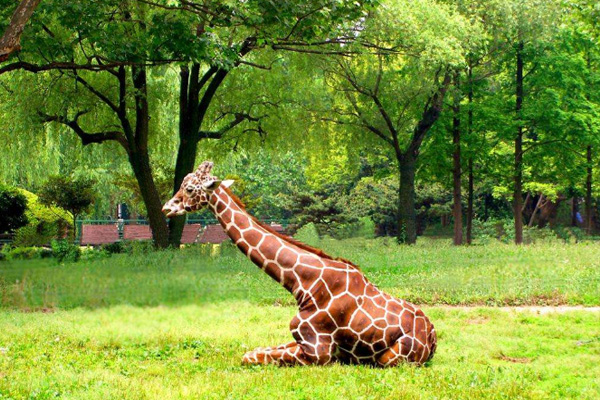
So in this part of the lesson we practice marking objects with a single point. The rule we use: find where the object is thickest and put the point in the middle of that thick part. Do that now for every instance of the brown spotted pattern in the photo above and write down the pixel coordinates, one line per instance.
(342, 316)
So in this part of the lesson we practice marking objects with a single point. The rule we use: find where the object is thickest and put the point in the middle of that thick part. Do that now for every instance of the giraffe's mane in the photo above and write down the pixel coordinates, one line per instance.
(287, 238)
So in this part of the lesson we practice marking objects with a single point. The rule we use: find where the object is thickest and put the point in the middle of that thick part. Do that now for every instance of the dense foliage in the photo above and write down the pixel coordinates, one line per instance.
(12, 209)
(409, 113)
(44, 223)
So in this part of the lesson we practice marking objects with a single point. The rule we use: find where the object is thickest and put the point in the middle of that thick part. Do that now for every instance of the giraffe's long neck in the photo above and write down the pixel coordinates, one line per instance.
(273, 254)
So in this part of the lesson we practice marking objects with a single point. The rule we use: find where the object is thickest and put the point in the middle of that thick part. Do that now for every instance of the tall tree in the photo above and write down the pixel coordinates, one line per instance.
(284, 25)
(395, 89)
(457, 213)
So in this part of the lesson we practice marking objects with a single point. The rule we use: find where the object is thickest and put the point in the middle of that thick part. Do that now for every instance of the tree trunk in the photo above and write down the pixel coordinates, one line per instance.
(470, 162)
(518, 166)
(140, 161)
(407, 216)
(74, 226)
(188, 143)
(456, 170)
(11, 40)
(589, 209)
(192, 113)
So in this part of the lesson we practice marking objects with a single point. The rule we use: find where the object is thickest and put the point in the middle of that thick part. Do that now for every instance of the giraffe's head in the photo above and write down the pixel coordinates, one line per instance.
(195, 191)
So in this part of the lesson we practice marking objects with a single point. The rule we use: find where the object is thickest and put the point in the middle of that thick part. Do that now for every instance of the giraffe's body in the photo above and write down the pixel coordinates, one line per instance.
(342, 316)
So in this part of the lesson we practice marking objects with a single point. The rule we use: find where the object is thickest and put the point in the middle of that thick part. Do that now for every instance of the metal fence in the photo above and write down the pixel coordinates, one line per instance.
(121, 223)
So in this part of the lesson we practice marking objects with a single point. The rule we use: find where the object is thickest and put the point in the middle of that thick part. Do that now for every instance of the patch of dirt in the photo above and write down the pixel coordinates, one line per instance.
(43, 310)
(541, 310)
(477, 321)
(515, 360)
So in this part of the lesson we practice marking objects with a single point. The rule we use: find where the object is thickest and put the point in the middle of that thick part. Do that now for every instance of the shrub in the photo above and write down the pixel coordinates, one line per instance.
(91, 254)
(65, 251)
(26, 253)
(73, 194)
(138, 247)
(114, 248)
(308, 234)
(570, 234)
(492, 229)
(364, 228)
(45, 223)
(13, 205)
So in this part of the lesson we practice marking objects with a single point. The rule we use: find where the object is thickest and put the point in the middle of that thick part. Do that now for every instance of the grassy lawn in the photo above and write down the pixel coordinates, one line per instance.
(174, 324)
(194, 351)
(429, 273)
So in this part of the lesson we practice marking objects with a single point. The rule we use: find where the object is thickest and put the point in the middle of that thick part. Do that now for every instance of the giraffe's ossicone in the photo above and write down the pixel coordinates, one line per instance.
(342, 316)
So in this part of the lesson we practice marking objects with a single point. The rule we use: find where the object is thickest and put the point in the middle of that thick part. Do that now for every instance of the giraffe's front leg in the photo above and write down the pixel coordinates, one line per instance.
(285, 354)
(289, 354)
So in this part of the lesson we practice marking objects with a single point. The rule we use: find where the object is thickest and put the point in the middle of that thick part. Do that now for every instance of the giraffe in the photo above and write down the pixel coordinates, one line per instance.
(342, 316)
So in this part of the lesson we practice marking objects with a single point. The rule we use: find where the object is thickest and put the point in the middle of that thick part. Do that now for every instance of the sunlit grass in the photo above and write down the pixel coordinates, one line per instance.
(174, 324)
(194, 352)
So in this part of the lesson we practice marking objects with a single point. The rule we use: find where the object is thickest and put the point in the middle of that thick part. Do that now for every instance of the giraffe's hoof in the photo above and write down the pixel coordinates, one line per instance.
(249, 358)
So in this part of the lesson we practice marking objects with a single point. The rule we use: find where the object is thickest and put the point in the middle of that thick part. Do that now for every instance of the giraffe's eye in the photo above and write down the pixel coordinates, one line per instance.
(189, 189)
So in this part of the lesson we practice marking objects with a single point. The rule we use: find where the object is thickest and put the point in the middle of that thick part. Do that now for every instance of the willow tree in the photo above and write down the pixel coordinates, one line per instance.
(108, 49)
(238, 31)
(393, 87)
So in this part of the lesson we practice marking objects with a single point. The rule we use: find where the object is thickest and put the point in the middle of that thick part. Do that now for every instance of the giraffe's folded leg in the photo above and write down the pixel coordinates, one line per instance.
(287, 354)
(406, 349)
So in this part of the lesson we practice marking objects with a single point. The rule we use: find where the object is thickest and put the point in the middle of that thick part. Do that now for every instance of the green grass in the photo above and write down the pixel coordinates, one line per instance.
(174, 324)
(194, 352)
(430, 273)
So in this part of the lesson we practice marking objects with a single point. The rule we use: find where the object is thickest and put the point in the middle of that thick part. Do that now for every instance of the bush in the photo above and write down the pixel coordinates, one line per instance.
(13, 205)
(62, 250)
(25, 253)
(308, 234)
(138, 247)
(114, 248)
(570, 234)
(91, 254)
(45, 223)
(363, 228)
(492, 229)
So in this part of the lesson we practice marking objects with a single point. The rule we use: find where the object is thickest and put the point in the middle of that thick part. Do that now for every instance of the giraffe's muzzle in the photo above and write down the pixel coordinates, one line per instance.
(173, 208)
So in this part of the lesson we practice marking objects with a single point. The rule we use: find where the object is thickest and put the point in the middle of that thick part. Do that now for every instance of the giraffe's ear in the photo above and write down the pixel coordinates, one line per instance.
(211, 184)
(227, 183)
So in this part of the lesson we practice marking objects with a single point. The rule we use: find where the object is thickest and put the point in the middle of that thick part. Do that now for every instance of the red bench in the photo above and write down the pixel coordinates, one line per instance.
(94, 235)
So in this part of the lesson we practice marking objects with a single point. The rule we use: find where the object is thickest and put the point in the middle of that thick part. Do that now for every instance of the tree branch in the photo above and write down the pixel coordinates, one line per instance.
(86, 138)
(11, 40)
(239, 118)
(96, 92)
(432, 111)
(21, 65)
